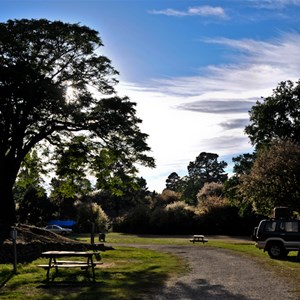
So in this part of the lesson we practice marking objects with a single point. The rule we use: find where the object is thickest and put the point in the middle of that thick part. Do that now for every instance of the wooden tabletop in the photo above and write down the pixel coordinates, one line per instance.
(69, 253)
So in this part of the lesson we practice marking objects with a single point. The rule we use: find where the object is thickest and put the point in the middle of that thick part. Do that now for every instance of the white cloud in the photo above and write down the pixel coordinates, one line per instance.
(203, 11)
(188, 115)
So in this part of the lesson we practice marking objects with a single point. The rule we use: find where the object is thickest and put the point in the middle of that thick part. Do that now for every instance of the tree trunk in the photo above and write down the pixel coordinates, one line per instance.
(8, 175)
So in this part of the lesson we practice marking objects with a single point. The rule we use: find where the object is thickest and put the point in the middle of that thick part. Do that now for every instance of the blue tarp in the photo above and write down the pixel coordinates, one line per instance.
(62, 223)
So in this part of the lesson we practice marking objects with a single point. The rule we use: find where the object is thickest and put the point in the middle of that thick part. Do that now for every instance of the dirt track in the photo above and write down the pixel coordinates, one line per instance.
(221, 274)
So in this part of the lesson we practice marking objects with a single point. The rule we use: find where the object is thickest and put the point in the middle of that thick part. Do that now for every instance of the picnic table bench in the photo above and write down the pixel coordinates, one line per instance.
(56, 264)
(199, 238)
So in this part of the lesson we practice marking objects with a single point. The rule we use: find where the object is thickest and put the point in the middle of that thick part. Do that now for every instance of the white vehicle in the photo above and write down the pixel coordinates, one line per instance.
(58, 229)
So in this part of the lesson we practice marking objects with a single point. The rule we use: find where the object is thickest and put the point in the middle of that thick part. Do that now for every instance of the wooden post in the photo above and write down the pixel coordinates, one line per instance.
(93, 233)
(13, 235)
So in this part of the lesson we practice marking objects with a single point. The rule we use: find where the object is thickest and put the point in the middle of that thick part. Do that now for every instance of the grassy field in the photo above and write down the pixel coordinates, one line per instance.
(126, 272)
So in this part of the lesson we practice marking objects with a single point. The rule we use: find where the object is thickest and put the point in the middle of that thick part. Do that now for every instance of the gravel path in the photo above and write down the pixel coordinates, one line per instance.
(220, 274)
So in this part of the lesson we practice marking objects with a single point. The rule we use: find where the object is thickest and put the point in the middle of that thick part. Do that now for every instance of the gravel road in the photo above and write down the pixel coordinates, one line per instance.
(221, 274)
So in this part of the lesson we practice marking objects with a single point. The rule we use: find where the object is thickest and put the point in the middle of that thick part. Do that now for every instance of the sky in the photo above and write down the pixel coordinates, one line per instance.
(195, 68)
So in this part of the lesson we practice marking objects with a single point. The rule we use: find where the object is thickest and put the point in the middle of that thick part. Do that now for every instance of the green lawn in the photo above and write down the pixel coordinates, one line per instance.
(126, 272)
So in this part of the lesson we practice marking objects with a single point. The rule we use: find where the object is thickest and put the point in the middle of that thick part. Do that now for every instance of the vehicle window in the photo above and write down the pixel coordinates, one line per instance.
(270, 226)
(290, 226)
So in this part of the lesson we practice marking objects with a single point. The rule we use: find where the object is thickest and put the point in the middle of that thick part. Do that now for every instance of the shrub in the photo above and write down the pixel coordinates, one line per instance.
(135, 221)
(89, 213)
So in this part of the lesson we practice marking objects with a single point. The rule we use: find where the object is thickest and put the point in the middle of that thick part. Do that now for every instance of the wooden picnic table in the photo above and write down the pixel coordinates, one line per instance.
(199, 238)
(55, 263)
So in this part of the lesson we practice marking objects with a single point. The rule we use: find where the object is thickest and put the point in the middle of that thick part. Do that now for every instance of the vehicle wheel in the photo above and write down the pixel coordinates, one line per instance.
(276, 251)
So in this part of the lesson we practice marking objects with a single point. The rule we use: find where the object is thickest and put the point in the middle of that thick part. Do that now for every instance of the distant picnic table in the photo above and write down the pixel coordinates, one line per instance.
(199, 238)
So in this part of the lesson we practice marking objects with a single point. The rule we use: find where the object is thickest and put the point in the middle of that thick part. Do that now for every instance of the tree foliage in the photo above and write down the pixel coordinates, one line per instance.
(29, 176)
(204, 169)
(277, 116)
(243, 163)
(35, 207)
(54, 83)
(211, 189)
(274, 179)
(173, 182)
(89, 213)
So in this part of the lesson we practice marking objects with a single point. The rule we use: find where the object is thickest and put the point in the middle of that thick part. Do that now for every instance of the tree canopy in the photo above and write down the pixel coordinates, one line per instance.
(277, 116)
(173, 182)
(274, 179)
(55, 84)
(206, 168)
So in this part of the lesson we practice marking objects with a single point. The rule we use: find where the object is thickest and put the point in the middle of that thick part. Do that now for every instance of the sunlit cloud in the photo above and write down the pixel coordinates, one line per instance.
(203, 11)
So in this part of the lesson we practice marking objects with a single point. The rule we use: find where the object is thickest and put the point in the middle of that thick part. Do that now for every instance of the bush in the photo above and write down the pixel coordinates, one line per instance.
(175, 218)
(135, 221)
(91, 213)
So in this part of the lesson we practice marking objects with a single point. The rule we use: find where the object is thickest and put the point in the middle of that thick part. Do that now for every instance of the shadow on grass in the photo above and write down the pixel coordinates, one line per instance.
(110, 284)
(137, 285)
(5, 278)
(292, 258)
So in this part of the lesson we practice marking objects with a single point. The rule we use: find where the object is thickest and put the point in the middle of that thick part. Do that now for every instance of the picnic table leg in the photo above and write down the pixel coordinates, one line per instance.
(49, 267)
(93, 268)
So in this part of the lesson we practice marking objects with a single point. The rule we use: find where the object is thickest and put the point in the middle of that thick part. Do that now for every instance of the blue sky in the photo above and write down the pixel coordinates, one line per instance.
(193, 67)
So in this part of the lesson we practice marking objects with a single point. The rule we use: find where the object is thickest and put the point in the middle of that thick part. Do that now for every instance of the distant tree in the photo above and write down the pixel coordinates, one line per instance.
(207, 168)
(242, 166)
(29, 176)
(53, 83)
(204, 169)
(167, 197)
(277, 116)
(70, 181)
(63, 197)
(173, 182)
(274, 179)
(71, 168)
(35, 208)
(115, 205)
(89, 213)
(115, 173)
(243, 163)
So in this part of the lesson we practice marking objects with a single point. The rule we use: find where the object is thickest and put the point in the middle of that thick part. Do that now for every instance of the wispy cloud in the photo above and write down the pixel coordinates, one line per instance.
(208, 112)
(256, 65)
(235, 124)
(203, 11)
(274, 4)
(219, 106)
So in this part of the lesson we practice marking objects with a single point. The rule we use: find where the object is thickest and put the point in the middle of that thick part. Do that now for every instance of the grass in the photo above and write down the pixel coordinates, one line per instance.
(127, 272)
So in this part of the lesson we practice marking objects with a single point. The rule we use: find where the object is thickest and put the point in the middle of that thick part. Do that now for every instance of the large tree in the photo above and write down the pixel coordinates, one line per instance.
(277, 116)
(274, 179)
(173, 182)
(55, 83)
(205, 169)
